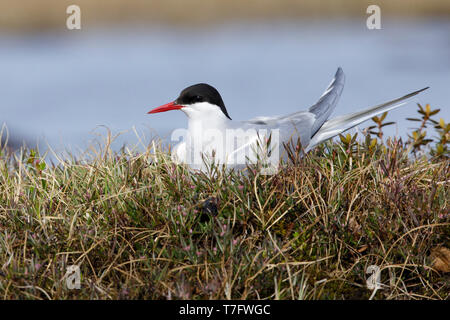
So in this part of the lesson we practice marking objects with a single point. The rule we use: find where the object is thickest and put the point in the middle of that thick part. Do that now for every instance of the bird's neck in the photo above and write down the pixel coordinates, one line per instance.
(198, 125)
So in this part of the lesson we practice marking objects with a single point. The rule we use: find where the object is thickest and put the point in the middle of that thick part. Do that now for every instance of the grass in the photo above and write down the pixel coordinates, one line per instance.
(141, 227)
(30, 15)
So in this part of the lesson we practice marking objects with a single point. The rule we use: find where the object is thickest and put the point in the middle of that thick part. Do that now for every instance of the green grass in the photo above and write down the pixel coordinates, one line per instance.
(141, 227)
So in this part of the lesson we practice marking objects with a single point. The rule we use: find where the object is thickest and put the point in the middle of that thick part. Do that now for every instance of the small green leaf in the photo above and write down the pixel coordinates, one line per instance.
(348, 138)
(413, 119)
(434, 112)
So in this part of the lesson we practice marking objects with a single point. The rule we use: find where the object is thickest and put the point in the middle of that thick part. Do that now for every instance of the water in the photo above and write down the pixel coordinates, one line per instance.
(60, 88)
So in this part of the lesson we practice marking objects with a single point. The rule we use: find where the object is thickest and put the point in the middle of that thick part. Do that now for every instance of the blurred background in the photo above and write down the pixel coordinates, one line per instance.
(61, 87)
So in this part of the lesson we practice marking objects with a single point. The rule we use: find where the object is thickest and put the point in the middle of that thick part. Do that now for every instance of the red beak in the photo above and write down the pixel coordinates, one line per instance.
(166, 107)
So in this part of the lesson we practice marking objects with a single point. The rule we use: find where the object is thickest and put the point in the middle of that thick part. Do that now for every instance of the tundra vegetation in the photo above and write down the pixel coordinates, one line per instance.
(141, 227)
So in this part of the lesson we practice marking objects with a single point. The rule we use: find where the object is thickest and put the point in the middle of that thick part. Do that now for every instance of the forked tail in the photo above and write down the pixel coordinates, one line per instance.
(340, 124)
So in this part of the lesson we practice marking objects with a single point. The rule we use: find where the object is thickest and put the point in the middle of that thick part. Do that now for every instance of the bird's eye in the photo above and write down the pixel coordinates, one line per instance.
(198, 98)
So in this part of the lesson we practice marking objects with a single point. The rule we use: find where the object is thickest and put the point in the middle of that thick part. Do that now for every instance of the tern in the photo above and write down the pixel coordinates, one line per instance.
(213, 135)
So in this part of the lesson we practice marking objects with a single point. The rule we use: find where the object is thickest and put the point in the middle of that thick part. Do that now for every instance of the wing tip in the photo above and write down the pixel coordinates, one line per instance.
(416, 92)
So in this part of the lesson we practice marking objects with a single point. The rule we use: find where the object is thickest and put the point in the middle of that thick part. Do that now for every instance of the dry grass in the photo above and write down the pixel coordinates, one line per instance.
(34, 15)
(141, 227)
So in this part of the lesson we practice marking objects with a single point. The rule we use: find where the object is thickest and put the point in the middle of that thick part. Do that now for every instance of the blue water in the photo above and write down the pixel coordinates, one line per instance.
(59, 88)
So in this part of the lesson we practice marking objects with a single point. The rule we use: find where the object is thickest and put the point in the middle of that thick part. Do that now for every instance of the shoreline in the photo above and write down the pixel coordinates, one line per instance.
(26, 16)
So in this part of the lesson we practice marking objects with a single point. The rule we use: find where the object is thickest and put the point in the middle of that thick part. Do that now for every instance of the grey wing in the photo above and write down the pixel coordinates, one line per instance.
(328, 101)
(320, 111)
(288, 128)
(305, 124)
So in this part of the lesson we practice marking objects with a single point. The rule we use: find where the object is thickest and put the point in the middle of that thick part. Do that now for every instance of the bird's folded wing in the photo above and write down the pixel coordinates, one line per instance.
(316, 116)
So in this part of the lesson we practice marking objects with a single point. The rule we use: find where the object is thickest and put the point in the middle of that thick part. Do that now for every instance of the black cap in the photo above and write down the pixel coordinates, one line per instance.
(202, 92)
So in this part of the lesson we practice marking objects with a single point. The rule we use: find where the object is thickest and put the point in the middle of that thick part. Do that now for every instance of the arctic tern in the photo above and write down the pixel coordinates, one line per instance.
(212, 134)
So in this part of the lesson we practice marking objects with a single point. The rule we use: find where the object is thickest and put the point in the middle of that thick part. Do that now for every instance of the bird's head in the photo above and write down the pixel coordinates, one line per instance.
(197, 101)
